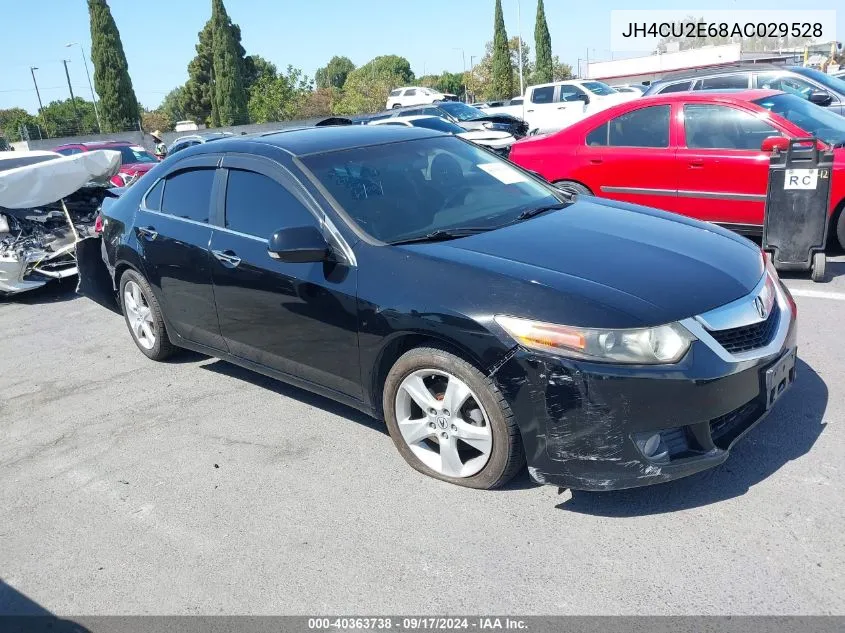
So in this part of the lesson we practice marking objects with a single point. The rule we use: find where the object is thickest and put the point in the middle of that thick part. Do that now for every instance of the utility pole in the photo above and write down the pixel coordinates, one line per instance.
(32, 70)
(90, 85)
(587, 68)
(464, 58)
(519, 33)
(72, 99)
(472, 75)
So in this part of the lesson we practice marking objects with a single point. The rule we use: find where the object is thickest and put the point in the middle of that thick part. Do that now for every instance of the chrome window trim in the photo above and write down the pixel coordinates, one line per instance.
(736, 314)
(176, 217)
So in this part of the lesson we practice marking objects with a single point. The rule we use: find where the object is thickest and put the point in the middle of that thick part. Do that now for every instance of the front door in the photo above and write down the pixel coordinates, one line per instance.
(722, 172)
(173, 231)
(631, 158)
(300, 319)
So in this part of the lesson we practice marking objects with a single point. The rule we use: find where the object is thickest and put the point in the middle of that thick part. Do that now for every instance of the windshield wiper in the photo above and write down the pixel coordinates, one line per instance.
(530, 213)
(442, 235)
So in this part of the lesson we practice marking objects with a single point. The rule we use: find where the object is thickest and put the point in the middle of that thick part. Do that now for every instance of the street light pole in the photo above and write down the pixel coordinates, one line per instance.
(90, 85)
(32, 70)
(519, 32)
(464, 58)
(72, 98)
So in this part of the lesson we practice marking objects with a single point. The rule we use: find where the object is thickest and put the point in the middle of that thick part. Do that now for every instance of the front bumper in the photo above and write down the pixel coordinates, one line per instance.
(584, 425)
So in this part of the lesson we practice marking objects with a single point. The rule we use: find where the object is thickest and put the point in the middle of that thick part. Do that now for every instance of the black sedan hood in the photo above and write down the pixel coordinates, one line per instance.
(653, 266)
(498, 118)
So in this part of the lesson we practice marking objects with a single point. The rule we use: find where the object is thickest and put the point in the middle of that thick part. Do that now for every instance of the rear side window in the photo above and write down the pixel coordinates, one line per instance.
(725, 82)
(410, 93)
(679, 87)
(259, 206)
(187, 194)
(395, 93)
(153, 198)
(543, 95)
(598, 136)
(646, 127)
(516, 101)
(69, 151)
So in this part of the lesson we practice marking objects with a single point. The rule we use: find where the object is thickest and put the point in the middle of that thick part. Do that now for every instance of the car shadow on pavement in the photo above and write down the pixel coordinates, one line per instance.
(53, 292)
(785, 435)
(20, 614)
(289, 391)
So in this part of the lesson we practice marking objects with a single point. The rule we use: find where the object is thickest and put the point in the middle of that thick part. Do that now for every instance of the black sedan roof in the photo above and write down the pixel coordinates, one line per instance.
(317, 140)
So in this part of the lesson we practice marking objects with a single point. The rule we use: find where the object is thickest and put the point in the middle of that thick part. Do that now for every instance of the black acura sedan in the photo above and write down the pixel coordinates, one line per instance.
(487, 317)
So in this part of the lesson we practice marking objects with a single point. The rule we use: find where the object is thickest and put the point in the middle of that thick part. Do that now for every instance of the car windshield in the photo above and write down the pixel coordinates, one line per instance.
(598, 88)
(405, 190)
(828, 81)
(436, 123)
(818, 121)
(461, 111)
(133, 154)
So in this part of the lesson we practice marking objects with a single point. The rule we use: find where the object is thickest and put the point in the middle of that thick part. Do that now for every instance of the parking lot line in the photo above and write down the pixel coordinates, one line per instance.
(817, 294)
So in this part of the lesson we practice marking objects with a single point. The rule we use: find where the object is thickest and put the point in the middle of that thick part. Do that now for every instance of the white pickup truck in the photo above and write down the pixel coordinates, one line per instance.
(552, 107)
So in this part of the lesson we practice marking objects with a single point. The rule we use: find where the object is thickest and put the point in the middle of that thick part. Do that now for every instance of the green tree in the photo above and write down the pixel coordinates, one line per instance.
(561, 71)
(256, 67)
(544, 68)
(319, 103)
(196, 101)
(15, 120)
(334, 74)
(70, 118)
(173, 105)
(481, 78)
(502, 75)
(152, 120)
(367, 87)
(280, 97)
(118, 104)
(229, 99)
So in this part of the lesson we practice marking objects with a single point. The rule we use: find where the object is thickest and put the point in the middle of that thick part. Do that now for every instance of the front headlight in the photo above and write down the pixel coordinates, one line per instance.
(663, 344)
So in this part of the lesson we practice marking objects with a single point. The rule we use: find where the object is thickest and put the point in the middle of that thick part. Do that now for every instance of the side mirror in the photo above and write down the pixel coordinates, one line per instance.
(820, 97)
(584, 98)
(772, 143)
(298, 245)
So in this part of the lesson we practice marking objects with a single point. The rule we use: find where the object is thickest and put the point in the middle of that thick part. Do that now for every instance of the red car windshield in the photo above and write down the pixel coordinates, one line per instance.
(818, 121)
(133, 154)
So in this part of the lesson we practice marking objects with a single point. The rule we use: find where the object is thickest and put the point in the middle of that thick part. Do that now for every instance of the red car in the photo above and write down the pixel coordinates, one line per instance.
(134, 158)
(701, 154)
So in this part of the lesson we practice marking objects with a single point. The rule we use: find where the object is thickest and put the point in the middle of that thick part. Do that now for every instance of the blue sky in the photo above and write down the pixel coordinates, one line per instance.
(159, 35)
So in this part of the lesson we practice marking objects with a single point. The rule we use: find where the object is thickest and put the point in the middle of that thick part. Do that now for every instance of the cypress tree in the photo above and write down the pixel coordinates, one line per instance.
(502, 84)
(199, 88)
(544, 68)
(229, 103)
(118, 104)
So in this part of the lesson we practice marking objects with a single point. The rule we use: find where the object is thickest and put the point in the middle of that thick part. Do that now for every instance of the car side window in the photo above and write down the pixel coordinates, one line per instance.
(516, 102)
(724, 82)
(570, 93)
(259, 206)
(722, 127)
(786, 83)
(646, 127)
(70, 151)
(395, 93)
(598, 136)
(543, 95)
(187, 194)
(682, 86)
(153, 198)
(411, 92)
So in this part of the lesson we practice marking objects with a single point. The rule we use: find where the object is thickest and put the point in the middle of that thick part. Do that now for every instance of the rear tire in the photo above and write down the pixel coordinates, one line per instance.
(395, 106)
(481, 433)
(143, 317)
(819, 266)
(570, 186)
(840, 229)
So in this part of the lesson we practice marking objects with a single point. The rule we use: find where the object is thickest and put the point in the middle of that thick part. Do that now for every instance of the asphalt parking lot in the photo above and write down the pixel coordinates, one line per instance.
(194, 486)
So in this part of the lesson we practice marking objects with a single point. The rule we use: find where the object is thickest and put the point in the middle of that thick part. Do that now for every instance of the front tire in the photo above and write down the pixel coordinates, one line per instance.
(451, 422)
(818, 267)
(840, 229)
(143, 317)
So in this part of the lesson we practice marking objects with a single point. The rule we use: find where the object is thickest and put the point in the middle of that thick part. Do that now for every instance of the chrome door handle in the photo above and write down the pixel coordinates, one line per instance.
(148, 232)
(227, 258)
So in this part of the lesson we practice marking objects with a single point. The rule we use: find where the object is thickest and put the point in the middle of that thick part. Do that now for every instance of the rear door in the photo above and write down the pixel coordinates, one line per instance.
(173, 229)
(541, 108)
(632, 158)
(300, 319)
(722, 173)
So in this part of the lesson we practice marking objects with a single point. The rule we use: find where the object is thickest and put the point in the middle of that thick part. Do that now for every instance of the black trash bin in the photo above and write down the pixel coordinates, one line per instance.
(797, 203)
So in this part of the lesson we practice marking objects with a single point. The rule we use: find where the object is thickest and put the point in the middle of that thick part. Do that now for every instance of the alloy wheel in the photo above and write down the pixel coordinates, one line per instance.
(139, 315)
(443, 423)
